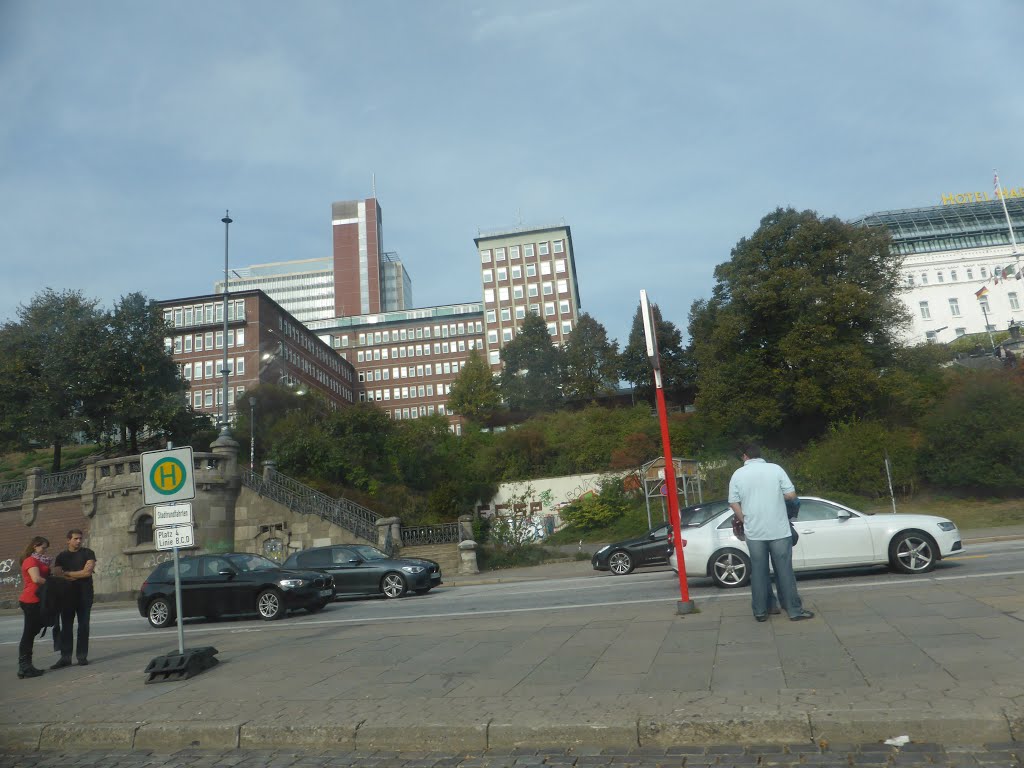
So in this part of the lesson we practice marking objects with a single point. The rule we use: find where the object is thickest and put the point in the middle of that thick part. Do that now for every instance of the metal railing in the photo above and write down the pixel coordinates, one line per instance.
(305, 500)
(445, 533)
(12, 490)
(62, 482)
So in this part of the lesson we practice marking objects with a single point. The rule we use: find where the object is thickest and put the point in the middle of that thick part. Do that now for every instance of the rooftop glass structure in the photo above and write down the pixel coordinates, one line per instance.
(950, 227)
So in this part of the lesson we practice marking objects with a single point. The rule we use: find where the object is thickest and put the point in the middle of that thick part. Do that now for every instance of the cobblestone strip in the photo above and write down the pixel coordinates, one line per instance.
(914, 755)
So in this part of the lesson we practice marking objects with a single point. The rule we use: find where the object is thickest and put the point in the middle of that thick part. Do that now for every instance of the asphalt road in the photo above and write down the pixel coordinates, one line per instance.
(124, 624)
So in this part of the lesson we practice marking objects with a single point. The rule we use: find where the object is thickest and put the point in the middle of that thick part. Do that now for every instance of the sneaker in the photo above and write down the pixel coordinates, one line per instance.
(63, 661)
(802, 615)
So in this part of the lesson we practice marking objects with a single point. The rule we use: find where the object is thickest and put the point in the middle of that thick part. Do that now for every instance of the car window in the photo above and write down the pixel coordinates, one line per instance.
(699, 514)
(343, 555)
(212, 566)
(661, 532)
(366, 552)
(185, 568)
(251, 563)
(817, 510)
(314, 558)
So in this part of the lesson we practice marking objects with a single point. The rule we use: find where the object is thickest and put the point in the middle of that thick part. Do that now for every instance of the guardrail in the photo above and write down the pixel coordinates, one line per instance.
(445, 533)
(62, 482)
(12, 490)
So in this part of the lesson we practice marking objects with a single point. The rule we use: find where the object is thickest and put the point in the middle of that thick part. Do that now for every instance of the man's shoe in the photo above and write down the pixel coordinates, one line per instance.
(761, 618)
(83, 662)
(802, 615)
(63, 661)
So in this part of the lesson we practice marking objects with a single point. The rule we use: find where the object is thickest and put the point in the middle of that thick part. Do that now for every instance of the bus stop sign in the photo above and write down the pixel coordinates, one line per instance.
(167, 476)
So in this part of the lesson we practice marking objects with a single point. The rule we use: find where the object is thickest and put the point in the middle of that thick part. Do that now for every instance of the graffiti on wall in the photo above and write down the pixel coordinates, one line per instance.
(122, 565)
(9, 575)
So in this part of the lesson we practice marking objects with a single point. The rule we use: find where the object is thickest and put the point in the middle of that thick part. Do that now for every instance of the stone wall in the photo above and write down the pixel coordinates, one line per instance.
(446, 555)
(54, 516)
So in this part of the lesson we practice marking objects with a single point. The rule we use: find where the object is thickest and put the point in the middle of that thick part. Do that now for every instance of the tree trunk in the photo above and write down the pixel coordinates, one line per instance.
(56, 456)
(134, 433)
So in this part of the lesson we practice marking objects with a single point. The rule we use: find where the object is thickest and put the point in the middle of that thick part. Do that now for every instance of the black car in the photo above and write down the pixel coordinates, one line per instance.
(234, 583)
(359, 569)
(652, 548)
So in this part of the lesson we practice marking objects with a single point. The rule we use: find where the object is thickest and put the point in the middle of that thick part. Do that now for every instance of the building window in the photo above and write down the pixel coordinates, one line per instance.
(984, 273)
(566, 327)
(491, 318)
(503, 293)
(954, 307)
(513, 252)
(552, 329)
(488, 276)
(952, 275)
(502, 274)
(492, 338)
(545, 268)
(970, 273)
(924, 278)
(542, 249)
(549, 289)
(492, 357)
(517, 272)
(506, 334)
(563, 286)
(925, 312)
(1014, 302)
(960, 332)
(532, 290)
(931, 336)
(485, 257)
(941, 277)
(910, 280)
(549, 308)
(143, 530)
(506, 314)
(528, 250)
(520, 313)
(499, 254)
(488, 296)
(559, 246)
(531, 270)
(563, 307)
(983, 302)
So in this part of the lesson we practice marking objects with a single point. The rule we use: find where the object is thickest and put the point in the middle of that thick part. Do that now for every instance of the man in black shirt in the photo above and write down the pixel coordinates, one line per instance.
(76, 564)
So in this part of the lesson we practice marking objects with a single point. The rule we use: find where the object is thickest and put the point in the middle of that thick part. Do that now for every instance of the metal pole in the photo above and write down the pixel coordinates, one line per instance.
(177, 605)
(252, 434)
(224, 428)
(991, 340)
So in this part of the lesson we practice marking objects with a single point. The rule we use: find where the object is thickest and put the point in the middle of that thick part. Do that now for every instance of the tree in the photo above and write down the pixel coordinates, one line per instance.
(50, 369)
(677, 367)
(591, 361)
(531, 374)
(802, 321)
(145, 388)
(474, 392)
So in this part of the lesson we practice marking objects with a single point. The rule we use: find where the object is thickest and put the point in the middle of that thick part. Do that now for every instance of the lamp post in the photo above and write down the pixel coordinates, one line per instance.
(224, 427)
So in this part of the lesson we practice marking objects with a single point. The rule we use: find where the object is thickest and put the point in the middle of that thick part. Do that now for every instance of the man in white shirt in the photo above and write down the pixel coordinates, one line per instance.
(757, 494)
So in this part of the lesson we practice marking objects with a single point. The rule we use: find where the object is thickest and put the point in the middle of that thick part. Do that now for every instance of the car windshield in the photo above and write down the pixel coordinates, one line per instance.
(696, 516)
(252, 563)
(366, 552)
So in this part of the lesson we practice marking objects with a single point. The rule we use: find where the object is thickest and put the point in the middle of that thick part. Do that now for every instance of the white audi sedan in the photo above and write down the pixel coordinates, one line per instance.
(831, 536)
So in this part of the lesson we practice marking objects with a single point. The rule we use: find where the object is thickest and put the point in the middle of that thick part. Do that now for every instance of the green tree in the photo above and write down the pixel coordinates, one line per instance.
(145, 389)
(474, 394)
(802, 322)
(591, 361)
(50, 370)
(531, 373)
(677, 366)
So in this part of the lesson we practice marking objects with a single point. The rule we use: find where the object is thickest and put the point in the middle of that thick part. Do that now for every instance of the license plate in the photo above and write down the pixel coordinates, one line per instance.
(326, 593)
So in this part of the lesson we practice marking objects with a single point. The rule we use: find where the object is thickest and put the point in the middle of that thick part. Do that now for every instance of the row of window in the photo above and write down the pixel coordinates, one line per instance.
(520, 312)
(412, 371)
(507, 333)
(419, 350)
(419, 332)
(403, 393)
(301, 336)
(954, 306)
(502, 273)
(205, 341)
(208, 398)
(532, 291)
(529, 250)
(211, 368)
(201, 314)
(954, 275)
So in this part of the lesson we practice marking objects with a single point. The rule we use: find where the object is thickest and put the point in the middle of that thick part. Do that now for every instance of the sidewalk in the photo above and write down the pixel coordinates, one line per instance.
(939, 659)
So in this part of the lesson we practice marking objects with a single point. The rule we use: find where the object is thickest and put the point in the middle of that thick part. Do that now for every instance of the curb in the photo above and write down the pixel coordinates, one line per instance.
(749, 729)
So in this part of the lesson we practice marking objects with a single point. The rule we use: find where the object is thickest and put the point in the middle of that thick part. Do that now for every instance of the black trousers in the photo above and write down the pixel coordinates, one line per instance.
(79, 608)
(33, 623)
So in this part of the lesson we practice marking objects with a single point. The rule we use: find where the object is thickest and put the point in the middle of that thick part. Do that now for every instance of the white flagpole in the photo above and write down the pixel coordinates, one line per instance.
(1006, 213)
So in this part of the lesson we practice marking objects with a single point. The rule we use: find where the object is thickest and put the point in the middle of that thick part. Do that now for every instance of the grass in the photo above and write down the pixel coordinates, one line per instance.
(14, 465)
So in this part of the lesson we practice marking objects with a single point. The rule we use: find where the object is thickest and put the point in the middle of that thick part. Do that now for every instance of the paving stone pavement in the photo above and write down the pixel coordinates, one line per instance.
(939, 659)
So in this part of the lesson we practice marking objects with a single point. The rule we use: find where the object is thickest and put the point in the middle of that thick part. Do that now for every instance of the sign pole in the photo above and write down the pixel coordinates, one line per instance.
(685, 604)
(177, 605)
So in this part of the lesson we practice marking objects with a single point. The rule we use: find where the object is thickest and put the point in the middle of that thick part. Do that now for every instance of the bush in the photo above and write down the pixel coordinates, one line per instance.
(493, 558)
(851, 459)
(598, 510)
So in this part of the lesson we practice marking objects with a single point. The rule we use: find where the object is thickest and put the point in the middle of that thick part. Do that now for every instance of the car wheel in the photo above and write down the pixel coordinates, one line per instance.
(730, 569)
(392, 585)
(913, 552)
(270, 605)
(620, 563)
(160, 613)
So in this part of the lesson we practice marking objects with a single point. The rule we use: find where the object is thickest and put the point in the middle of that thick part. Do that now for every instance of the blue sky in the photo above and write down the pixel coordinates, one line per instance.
(660, 131)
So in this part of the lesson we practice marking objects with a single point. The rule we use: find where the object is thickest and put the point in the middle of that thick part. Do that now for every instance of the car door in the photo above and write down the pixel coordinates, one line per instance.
(655, 548)
(830, 535)
(218, 593)
(191, 590)
(359, 576)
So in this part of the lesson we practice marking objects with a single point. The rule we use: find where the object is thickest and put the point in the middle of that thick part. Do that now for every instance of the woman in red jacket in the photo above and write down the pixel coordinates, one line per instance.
(35, 567)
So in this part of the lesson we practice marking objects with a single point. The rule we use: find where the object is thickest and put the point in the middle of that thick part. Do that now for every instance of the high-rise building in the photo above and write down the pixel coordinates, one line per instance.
(960, 270)
(527, 270)
(304, 288)
(397, 283)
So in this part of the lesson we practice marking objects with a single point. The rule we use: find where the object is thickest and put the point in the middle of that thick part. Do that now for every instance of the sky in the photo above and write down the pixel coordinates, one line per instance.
(660, 131)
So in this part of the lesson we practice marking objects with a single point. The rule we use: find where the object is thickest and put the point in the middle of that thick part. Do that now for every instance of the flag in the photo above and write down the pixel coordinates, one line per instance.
(980, 292)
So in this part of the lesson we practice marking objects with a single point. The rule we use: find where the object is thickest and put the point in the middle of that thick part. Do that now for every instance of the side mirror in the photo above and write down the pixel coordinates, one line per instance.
(844, 514)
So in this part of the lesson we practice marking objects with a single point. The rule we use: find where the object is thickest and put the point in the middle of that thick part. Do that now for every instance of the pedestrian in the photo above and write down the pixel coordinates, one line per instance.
(35, 567)
(76, 564)
(757, 494)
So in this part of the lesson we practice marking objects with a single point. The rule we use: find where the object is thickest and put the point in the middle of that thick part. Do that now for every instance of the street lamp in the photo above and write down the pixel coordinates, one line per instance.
(252, 433)
(224, 427)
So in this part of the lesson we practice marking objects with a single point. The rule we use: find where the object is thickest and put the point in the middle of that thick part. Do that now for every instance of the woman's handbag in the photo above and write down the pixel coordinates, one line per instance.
(793, 534)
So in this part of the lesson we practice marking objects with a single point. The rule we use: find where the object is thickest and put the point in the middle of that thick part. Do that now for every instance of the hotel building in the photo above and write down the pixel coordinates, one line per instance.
(961, 272)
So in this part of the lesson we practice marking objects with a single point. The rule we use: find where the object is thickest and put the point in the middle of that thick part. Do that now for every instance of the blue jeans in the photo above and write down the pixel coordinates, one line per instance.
(781, 553)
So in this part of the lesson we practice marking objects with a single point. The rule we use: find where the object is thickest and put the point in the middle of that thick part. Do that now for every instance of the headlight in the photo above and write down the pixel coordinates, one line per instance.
(291, 583)
(412, 568)
(947, 526)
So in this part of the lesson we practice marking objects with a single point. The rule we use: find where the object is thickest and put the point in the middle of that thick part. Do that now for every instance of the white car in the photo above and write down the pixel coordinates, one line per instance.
(831, 536)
